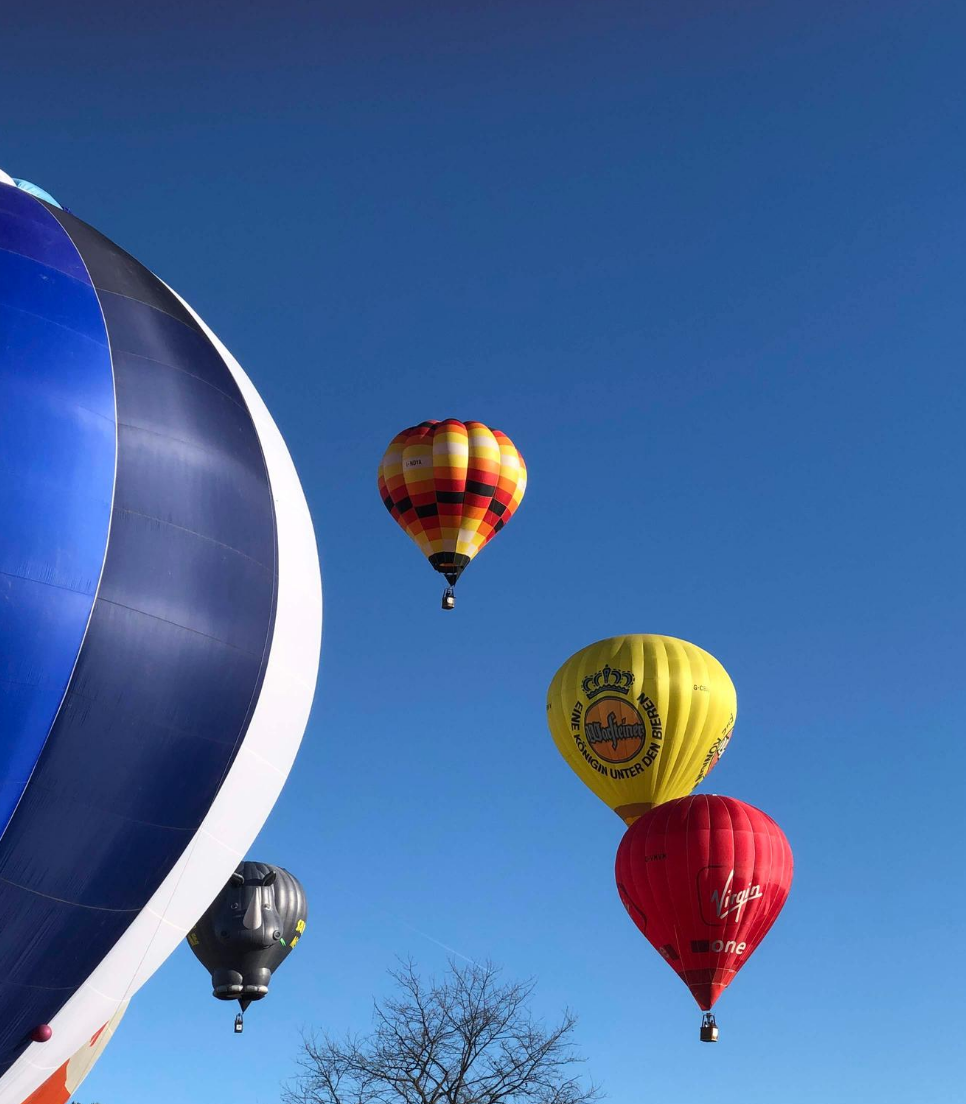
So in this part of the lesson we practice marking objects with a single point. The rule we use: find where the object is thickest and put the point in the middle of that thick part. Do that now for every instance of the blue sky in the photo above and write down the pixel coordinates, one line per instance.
(703, 262)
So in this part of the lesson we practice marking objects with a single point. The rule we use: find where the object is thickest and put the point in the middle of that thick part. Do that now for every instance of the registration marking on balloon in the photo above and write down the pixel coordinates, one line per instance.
(610, 730)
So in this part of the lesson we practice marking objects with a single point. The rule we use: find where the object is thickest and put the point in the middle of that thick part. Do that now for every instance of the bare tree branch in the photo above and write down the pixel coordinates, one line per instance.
(469, 1039)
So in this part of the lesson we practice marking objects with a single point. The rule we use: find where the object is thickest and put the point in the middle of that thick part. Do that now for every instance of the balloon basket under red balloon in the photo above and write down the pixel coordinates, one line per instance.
(709, 1029)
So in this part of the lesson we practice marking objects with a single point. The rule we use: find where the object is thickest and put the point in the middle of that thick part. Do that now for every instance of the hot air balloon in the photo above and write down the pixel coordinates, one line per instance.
(160, 634)
(704, 878)
(59, 1087)
(641, 719)
(452, 487)
(248, 931)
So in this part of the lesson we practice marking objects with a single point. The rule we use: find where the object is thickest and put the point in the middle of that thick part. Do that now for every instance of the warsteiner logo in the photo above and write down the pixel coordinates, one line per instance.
(614, 729)
(718, 897)
(611, 729)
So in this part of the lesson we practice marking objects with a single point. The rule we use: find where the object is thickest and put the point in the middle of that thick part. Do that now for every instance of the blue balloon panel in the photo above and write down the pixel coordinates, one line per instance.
(28, 229)
(172, 661)
(57, 454)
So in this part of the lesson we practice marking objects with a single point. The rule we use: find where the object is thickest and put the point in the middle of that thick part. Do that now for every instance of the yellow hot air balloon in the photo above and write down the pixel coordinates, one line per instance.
(641, 719)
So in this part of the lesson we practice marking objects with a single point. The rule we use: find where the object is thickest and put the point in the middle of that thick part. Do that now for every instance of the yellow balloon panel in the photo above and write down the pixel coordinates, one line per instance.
(641, 719)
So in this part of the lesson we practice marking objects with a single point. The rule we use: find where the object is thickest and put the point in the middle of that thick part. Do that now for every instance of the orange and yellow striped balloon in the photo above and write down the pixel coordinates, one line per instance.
(452, 486)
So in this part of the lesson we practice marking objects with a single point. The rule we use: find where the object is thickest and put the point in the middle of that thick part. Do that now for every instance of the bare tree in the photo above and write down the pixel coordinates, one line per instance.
(469, 1039)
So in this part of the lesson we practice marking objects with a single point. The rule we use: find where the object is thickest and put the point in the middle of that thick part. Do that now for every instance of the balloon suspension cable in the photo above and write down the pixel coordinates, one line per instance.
(449, 598)
(709, 1029)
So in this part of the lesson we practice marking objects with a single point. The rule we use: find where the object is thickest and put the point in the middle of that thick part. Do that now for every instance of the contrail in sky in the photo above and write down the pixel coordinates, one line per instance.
(438, 944)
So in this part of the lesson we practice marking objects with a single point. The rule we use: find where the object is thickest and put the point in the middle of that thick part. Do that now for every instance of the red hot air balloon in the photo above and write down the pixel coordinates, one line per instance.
(704, 878)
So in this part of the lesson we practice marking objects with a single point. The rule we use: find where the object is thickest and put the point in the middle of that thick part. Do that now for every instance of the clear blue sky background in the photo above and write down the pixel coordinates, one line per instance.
(704, 262)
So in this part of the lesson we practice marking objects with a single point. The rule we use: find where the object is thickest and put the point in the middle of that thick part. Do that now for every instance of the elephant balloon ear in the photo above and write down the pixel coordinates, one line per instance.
(269, 878)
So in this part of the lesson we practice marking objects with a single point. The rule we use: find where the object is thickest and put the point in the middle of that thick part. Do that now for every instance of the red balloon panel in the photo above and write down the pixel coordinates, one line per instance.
(704, 878)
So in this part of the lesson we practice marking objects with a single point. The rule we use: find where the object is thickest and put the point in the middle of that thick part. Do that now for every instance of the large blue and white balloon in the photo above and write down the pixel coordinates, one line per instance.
(160, 619)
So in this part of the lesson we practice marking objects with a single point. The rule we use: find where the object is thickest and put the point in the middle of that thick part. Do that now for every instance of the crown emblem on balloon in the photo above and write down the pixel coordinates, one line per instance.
(608, 678)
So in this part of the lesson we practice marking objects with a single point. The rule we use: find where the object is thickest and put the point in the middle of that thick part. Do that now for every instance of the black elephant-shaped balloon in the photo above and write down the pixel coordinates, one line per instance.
(248, 931)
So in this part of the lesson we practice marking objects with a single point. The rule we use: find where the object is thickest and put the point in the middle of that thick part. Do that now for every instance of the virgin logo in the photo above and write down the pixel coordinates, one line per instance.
(723, 898)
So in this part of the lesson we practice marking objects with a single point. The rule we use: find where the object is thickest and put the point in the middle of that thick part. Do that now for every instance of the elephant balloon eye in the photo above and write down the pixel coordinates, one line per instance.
(276, 934)
(235, 906)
